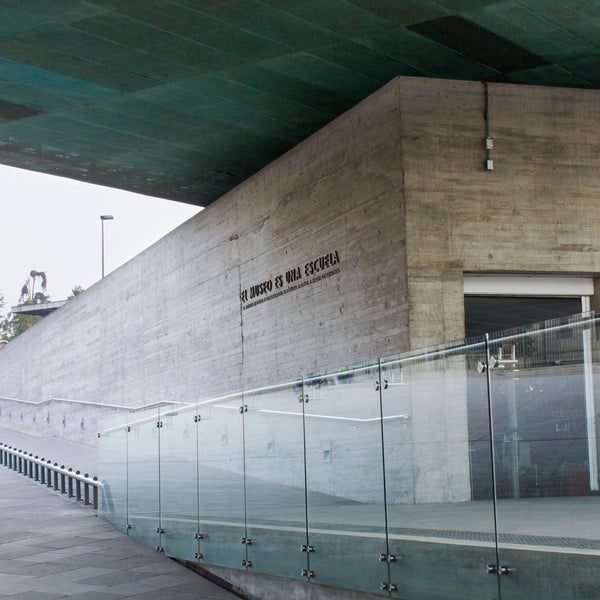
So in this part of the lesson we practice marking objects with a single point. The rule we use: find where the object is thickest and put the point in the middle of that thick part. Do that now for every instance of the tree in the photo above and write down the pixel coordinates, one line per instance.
(5, 324)
(12, 324)
(76, 291)
(20, 323)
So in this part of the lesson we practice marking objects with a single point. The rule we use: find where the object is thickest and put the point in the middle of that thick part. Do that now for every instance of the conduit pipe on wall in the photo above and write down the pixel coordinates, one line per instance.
(489, 140)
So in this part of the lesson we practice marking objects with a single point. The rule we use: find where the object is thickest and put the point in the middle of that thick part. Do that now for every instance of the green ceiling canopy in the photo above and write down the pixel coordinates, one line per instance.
(184, 99)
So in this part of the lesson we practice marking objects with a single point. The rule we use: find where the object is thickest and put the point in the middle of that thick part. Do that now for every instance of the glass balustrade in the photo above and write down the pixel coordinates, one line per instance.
(469, 470)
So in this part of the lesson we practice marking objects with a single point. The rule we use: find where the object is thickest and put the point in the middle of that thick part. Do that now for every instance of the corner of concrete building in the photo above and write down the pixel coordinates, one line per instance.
(502, 209)
(336, 197)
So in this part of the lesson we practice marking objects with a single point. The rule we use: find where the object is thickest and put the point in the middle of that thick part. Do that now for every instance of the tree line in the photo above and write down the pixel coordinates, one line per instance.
(13, 324)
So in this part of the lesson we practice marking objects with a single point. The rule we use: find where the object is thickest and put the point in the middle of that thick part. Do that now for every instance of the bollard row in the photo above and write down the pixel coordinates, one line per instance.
(66, 481)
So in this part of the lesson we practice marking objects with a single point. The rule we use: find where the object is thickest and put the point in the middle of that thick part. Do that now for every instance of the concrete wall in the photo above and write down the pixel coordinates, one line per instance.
(537, 211)
(351, 246)
(170, 325)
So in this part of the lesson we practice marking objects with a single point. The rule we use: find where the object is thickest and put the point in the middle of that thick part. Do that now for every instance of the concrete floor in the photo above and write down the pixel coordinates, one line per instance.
(53, 547)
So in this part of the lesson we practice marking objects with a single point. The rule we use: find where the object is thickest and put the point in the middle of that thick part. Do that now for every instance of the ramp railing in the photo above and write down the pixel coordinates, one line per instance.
(66, 481)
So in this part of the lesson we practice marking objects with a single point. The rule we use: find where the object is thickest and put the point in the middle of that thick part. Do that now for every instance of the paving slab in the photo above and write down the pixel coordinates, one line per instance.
(53, 547)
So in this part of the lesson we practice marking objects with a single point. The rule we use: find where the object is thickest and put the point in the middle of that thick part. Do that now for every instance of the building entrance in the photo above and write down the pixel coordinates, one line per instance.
(485, 314)
(497, 302)
(544, 428)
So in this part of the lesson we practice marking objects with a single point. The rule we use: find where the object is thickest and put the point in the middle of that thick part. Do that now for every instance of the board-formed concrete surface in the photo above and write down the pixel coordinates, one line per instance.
(53, 548)
(351, 246)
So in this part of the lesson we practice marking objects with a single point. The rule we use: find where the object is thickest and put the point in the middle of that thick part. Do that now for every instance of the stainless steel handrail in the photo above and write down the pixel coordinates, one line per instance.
(121, 407)
(73, 483)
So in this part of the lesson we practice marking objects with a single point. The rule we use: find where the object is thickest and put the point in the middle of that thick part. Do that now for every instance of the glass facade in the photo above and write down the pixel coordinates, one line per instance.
(469, 470)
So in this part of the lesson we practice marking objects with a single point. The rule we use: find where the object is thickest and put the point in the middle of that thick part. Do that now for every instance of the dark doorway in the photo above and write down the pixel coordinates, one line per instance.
(484, 314)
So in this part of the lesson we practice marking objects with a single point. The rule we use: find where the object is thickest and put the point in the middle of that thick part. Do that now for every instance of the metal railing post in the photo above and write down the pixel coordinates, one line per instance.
(95, 494)
(70, 483)
(55, 476)
(86, 491)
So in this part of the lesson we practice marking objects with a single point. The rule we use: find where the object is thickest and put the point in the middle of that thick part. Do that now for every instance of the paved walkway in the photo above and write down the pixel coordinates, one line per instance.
(71, 454)
(53, 547)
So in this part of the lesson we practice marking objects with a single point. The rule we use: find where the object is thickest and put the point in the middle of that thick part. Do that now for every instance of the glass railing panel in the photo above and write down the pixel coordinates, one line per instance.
(179, 482)
(112, 471)
(346, 515)
(221, 481)
(438, 474)
(143, 478)
(544, 388)
(275, 483)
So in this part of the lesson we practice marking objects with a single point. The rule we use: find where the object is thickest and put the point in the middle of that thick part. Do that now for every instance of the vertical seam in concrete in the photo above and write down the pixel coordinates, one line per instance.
(405, 258)
(239, 269)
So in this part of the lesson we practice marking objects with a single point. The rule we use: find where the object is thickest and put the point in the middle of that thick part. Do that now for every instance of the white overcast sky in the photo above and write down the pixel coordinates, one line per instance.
(53, 225)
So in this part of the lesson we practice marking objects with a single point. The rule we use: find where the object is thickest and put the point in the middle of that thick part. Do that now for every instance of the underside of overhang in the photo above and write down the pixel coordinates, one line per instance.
(184, 99)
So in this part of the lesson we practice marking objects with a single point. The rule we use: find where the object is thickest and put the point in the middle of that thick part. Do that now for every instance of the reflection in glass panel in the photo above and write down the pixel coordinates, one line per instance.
(112, 471)
(275, 490)
(423, 419)
(221, 481)
(346, 514)
(545, 442)
(435, 468)
(179, 482)
(144, 482)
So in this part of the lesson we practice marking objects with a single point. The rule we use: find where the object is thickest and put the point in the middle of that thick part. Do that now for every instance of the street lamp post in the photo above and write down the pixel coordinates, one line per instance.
(102, 219)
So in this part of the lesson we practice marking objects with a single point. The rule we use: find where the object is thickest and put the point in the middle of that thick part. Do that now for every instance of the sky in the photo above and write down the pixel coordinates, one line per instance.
(53, 225)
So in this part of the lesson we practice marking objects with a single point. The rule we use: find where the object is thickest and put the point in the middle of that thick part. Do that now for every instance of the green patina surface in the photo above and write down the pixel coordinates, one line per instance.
(184, 99)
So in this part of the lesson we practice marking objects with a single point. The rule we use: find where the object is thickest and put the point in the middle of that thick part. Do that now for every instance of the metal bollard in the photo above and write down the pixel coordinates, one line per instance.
(55, 475)
(86, 491)
(36, 468)
(78, 487)
(70, 484)
(95, 492)
(63, 482)
(49, 474)
(43, 473)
